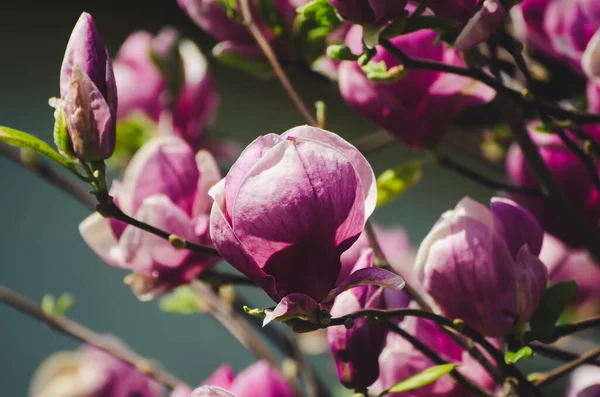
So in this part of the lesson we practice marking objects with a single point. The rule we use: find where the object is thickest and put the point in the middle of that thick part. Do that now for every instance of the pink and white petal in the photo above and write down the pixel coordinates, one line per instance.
(359, 161)
(181, 391)
(291, 306)
(517, 226)
(210, 391)
(249, 157)
(210, 175)
(98, 235)
(532, 278)
(230, 247)
(165, 165)
(141, 250)
(369, 276)
(261, 380)
(222, 377)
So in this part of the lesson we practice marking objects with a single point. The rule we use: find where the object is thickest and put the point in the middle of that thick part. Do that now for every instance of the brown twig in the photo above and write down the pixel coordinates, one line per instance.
(557, 353)
(564, 369)
(272, 58)
(49, 174)
(83, 334)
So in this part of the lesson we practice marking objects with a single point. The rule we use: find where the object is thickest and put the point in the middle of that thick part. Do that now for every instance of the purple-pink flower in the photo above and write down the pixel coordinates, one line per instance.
(90, 372)
(144, 88)
(88, 94)
(401, 360)
(559, 28)
(569, 174)
(584, 382)
(371, 12)
(289, 207)
(166, 186)
(420, 108)
(481, 265)
(258, 380)
(565, 263)
(234, 38)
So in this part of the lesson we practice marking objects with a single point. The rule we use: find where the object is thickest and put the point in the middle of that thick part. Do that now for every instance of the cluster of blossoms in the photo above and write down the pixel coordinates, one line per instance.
(292, 213)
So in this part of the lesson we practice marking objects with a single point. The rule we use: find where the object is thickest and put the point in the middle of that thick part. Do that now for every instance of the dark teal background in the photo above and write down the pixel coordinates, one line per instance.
(40, 248)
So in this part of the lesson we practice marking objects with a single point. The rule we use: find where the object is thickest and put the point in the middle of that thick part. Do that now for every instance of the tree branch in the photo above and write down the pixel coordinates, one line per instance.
(564, 369)
(81, 333)
(557, 354)
(272, 58)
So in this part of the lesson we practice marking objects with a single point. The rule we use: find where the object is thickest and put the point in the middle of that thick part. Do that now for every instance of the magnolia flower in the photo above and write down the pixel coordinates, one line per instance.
(570, 176)
(420, 108)
(90, 372)
(481, 265)
(166, 186)
(88, 95)
(144, 88)
(287, 210)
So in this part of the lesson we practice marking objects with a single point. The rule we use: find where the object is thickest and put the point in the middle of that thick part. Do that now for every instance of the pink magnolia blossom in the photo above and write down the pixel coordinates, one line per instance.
(569, 174)
(420, 108)
(144, 89)
(166, 186)
(481, 265)
(585, 382)
(88, 94)
(90, 372)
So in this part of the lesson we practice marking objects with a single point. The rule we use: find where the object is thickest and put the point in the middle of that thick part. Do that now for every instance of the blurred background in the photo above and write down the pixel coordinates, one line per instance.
(41, 249)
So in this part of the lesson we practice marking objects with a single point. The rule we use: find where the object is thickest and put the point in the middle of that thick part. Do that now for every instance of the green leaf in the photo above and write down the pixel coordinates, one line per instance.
(24, 140)
(555, 300)
(542, 128)
(132, 134)
(181, 301)
(258, 68)
(371, 35)
(341, 52)
(379, 73)
(421, 379)
(513, 357)
(320, 11)
(62, 140)
(394, 182)
(57, 307)
(315, 22)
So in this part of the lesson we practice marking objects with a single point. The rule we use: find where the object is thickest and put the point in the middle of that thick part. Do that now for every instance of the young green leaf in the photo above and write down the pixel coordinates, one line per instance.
(57, 307)
(555, 300)
(513, 357)
(421, 379)
(24, 140)
(181, 301)
(259, 68)
(394, 182)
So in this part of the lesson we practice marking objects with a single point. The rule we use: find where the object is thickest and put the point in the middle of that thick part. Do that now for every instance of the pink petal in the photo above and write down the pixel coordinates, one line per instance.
(292, 305)
(230, 247)
(261, 380)
(98, 235)
(209, 391)
(532, 280)
(360, 163)
(222, 377)
(369, 276)
(166, 166)
(288, 215)
(210, 175)
(517, 226)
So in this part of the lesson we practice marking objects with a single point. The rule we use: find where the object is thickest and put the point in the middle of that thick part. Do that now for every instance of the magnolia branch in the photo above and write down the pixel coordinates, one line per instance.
(272, 58)
(564, 369)
(81, 333)
(557, 353)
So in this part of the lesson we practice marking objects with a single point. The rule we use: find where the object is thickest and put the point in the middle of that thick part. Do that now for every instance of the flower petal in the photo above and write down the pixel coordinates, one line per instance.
(369, 276)
(292, 305)
(209, 391)
(98, 235)
(210, 175)
(517, 226)
(261, 380)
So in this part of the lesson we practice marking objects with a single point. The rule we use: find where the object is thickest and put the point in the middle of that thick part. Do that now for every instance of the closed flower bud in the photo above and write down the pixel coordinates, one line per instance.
(420, 108)
(585, 382)
(372, 12)
(289, 207)
(356, 349)
(90, 372)
(481, 265)
(88, 93)
(166, 186)
(165, 75)
(489, 18)
(570, 176)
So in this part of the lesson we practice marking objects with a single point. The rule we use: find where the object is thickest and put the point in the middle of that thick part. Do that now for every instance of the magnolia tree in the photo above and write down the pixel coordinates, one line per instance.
(491, 284)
